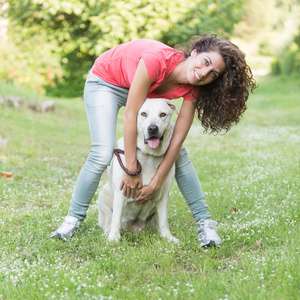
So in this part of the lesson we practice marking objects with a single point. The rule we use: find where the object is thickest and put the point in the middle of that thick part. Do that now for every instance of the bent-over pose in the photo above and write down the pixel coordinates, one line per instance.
(213, 79)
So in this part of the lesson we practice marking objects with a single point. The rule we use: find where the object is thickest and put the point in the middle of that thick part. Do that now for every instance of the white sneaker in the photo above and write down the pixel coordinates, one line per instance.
(207, 233)
(67, 229)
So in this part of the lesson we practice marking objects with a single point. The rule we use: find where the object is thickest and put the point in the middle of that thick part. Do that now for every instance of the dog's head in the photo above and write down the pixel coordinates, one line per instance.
(154, 125)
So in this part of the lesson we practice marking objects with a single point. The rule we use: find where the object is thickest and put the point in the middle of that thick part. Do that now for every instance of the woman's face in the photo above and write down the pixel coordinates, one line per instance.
(204, 67)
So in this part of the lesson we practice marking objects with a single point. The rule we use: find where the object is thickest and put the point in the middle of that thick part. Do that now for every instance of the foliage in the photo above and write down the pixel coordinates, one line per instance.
(255, 168)
(269, 23)
(289, 62)
(79, 31)
(31, 62)
(207, 16)
(274, 25)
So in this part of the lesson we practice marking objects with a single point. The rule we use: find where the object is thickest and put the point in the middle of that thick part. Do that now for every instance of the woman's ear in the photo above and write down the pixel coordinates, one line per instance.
(194, 53)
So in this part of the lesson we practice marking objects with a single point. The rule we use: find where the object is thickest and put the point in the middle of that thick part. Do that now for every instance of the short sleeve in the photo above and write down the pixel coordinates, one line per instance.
(155, 65)
(193, 94)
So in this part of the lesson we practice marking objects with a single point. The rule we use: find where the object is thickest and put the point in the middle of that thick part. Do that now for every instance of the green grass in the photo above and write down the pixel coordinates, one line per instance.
(255, 168)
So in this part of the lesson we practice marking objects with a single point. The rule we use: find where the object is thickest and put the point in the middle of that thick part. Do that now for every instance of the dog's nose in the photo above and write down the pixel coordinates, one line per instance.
(152, 129)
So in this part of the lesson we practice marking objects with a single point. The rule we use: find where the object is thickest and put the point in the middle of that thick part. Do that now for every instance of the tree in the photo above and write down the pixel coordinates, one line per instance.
(72, 33)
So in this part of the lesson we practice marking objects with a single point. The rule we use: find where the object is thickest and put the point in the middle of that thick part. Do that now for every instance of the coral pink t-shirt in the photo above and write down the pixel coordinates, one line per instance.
(118, 65)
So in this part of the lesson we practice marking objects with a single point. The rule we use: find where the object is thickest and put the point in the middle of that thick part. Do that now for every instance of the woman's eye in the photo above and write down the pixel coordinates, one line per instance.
(162, 115)
(214, 75)
(206, 62)
(144, 114)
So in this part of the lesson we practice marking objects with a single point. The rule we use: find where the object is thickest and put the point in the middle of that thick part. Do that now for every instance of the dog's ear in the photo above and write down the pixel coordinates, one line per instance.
(173, 106)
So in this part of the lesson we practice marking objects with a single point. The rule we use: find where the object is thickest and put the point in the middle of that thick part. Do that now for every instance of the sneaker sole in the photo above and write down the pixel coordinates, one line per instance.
(57, 235)
(211, 244)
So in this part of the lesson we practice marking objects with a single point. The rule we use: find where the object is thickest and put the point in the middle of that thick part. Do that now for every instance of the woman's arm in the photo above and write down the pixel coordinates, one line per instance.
(136, 97)
(182, 126)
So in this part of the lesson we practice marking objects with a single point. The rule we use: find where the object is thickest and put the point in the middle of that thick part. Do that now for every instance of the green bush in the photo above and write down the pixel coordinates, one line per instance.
(75, 32)
(32, 63)
(289, 62)
(275, 67)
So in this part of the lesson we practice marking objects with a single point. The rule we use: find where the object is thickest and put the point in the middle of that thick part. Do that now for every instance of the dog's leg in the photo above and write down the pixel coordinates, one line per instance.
(163, 225)
(115, 227)
(105, 208)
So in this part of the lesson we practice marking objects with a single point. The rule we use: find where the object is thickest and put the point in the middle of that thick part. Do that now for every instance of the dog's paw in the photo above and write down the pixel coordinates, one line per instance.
(173, 239)
(114, 237)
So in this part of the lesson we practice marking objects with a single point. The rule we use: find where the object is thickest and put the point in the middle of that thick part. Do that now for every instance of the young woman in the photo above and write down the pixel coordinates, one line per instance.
(212, 77)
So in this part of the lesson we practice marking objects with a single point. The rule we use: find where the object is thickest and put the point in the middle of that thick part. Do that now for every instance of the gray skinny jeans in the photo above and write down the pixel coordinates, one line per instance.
(102, 103)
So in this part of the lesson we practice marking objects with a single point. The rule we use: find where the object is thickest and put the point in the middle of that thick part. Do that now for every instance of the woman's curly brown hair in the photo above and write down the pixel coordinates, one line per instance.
(221, 103)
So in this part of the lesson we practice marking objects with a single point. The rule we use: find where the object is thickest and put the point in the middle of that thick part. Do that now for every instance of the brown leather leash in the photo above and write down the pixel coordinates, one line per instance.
(117, 152)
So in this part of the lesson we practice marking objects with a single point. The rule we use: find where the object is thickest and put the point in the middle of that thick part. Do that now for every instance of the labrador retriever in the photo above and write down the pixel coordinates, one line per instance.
(116, 211)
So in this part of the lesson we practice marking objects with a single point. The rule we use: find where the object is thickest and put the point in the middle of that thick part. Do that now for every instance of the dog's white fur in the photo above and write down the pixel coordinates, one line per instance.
(116, 210)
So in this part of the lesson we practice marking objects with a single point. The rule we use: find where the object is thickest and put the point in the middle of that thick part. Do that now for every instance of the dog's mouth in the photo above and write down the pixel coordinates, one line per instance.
(153, 142)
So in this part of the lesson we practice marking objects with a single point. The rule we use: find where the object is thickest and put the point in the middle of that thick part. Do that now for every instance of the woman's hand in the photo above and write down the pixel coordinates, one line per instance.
(130, 185)
(146, 193)
(136, 97)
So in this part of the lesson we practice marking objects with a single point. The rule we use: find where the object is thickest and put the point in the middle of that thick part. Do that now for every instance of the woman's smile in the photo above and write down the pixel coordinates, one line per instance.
(197, 76)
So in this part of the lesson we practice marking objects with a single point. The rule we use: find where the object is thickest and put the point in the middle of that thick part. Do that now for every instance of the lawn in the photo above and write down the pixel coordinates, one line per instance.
(251, 179)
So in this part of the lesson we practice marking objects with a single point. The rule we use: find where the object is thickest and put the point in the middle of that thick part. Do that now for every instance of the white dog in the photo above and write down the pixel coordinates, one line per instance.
(154, 125)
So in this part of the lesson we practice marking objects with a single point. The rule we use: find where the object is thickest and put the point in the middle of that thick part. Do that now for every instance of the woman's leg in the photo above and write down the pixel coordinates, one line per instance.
(102, 103)
(189, 185)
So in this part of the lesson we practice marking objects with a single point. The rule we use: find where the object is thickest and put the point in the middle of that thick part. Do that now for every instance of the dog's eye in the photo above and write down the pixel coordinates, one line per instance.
(144, 114)
(162, 115)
